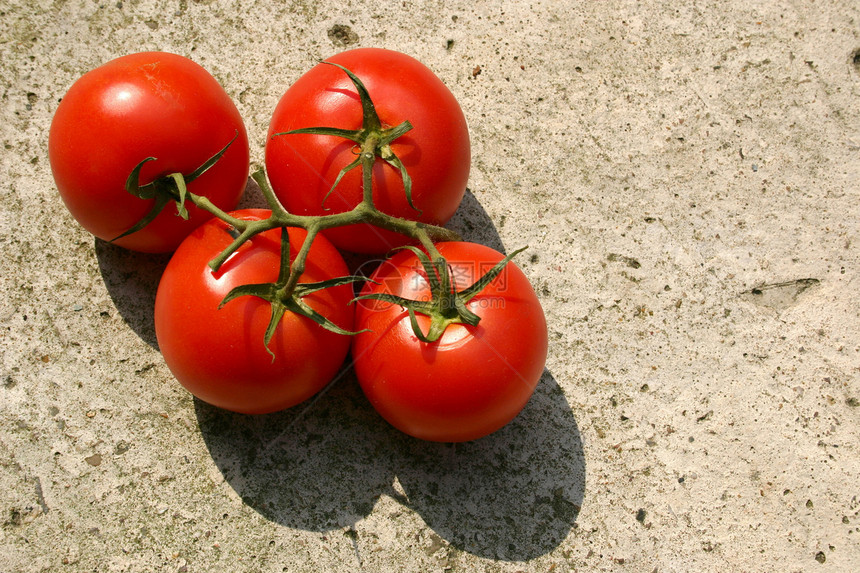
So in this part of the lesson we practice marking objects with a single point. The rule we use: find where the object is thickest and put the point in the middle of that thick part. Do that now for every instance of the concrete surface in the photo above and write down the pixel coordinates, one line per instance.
(686, 174)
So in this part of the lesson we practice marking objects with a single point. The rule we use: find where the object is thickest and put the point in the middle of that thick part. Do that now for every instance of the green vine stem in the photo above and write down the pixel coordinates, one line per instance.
(364, 212)
(447, 306)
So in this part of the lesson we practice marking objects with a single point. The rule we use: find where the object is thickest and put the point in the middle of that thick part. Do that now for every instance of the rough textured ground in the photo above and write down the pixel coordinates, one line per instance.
(687, 175)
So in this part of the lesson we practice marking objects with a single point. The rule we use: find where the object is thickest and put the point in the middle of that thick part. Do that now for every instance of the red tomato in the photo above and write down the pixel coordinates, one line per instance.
(473, 380)
(219, 354)
(145, 105)
(436, 152)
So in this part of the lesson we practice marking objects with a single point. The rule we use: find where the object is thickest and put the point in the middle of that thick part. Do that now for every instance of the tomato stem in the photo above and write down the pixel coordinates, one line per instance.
(210, 207)
(259, 176)
(447, 305)
(298, 266)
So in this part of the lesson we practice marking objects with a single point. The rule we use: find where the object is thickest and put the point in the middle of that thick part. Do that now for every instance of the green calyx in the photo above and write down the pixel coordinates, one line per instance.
(370, 138)
(447, 305)
(286, 294)
(172, 187)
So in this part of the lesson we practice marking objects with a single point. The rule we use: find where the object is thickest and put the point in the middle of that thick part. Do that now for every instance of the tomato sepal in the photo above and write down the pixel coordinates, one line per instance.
(350, 134)
(273, 293)
(470, 292)
(447, 305)
(368, 110)
(173, 186)
(370, 137)
(286, 295)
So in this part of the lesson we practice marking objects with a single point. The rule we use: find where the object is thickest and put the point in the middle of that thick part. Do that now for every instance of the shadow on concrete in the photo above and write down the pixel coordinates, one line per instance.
(132, 279)
(473, 223)
(513, 495)
(318, 466)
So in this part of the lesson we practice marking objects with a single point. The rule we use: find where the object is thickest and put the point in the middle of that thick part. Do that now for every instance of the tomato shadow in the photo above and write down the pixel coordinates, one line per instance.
(132, 279)
(514, 495)
(320, 466)
(473, 223)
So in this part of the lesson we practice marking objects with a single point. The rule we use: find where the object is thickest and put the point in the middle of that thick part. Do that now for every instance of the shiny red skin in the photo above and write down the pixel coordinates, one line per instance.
(473, 380)
(218, 354)
(436, 153)
(150, 104)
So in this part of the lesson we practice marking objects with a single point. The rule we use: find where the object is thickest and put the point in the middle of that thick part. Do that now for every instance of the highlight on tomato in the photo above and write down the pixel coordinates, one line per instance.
(217, 349)
(146, 105)
(419, 175)
(474, 378)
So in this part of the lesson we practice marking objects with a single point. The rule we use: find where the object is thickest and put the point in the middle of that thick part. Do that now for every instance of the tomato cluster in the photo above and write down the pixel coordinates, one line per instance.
(255, 311)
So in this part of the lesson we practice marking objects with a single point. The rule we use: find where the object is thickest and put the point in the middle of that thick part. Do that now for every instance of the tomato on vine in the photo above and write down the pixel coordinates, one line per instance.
(255, 312)
(245, 353)
(153, 106)
(454, 367)
(418, 175)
